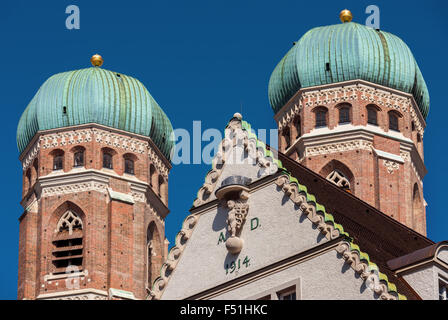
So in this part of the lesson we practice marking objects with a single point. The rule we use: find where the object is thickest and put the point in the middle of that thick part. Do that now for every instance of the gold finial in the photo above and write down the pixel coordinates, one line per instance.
(97, 60)
(345, 16)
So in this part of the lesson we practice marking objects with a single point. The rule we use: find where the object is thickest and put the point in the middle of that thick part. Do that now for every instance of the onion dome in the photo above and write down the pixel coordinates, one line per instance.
(95, 95)
(347, 51)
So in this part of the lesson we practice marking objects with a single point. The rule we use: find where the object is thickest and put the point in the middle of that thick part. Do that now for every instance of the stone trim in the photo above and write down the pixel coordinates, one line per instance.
(328, 141)
(388, 156)
(350, 145)
(119, 196)
(122, 294)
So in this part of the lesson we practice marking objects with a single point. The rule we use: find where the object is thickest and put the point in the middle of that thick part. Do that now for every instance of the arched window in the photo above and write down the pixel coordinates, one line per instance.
(78, 158)
(161, 185)
(152, 175)
(58, 160)
(154, 253)
(128, 166)
(27, 185)
(372, 115)
(417, 208)
(68, 244)
(298, 124)
(287, 136)
(107, 160)
(344, 113)
(419, 138)
(393, 121)
(339, 179)
(35, 171)
(339, 174)
(321, 117)
(412, 125)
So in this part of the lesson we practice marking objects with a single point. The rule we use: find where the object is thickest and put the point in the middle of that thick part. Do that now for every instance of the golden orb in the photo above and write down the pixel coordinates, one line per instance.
(345, 16)
(97, 60)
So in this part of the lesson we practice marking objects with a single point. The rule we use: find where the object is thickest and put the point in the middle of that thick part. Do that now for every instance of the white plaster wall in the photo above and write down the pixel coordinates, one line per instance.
(323, 277)
(424, 281)
(283, 232)
(443, 254)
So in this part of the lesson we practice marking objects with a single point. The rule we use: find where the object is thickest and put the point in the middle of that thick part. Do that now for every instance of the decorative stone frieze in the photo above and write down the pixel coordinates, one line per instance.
(74, 188)
(391, 165)
(338, 147)
(350, 92)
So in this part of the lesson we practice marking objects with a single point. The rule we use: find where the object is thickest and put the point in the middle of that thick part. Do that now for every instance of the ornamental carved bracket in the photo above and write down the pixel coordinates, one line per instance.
(238, 210)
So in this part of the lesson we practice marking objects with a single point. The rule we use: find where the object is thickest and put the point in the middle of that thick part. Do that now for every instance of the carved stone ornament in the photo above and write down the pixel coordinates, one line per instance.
(391, 166)
(238, 210)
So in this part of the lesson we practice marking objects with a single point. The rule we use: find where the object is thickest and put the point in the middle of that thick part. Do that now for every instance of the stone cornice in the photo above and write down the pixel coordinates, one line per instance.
(81, 294)
(101, 134)
(348, 137)
(348, 91)
(237, 133)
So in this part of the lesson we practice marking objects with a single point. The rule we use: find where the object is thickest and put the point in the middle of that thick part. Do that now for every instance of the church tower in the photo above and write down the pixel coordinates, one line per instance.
(95, 150)
(350, 103)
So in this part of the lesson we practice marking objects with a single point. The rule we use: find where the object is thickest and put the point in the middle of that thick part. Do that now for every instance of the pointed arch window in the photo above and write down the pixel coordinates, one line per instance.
(68, 243)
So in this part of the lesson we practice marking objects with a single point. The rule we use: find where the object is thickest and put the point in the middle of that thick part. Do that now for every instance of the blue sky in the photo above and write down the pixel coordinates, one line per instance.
(201, 60)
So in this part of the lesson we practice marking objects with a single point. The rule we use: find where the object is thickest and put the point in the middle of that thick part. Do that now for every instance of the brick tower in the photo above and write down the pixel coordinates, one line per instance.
(351, 103)
(95, 149)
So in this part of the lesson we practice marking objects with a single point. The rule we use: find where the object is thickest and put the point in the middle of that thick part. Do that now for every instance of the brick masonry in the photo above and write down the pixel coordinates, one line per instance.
(382, 181)
(115, 241)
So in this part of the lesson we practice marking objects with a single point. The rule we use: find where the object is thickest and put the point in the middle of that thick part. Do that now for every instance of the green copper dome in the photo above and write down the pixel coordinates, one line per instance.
(352, 51)
(95, 95)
